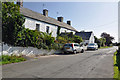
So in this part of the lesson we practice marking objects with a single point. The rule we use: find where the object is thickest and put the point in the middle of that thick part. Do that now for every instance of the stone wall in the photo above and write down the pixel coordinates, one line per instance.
(28, 51)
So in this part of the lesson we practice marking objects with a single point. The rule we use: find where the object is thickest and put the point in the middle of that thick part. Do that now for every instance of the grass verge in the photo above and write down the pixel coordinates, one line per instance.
(116, 59)
(6, 59)
(105, 47)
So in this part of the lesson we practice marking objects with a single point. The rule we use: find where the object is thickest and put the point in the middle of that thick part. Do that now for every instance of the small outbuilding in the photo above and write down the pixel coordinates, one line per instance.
(88, 37)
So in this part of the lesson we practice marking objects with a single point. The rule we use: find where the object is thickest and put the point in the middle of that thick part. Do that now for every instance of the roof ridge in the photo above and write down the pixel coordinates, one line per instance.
(39, 16)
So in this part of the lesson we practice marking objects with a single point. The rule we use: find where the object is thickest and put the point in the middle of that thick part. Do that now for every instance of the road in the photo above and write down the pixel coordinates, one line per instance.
(91, 64)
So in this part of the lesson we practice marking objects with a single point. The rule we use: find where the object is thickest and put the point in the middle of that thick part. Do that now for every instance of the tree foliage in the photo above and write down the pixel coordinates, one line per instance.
(97, 41)
(69, 37)
(108, 38)
(58, 30)
(102, 41)
(12, 22)
(14, 33)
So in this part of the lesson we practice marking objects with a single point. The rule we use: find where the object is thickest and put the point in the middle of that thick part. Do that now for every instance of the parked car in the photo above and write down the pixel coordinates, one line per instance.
(72, 47)
(92, 46)
(84, 45)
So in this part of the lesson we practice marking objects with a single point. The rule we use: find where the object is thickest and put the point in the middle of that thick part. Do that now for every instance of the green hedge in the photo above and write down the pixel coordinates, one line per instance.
(116, 59)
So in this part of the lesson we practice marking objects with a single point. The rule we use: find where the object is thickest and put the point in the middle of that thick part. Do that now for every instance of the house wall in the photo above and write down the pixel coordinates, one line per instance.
(86, 41)
(66, 30)
(92, 40)
(31, 24)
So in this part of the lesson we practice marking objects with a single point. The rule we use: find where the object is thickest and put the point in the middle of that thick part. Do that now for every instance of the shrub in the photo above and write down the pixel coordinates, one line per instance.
(55, 46)
(77, 39)
(68, 38)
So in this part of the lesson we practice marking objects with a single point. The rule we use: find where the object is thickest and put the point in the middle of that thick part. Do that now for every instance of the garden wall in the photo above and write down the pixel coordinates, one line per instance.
(28, 51)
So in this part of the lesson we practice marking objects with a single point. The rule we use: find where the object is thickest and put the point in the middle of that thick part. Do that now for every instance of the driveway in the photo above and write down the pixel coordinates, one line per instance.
(90, 64)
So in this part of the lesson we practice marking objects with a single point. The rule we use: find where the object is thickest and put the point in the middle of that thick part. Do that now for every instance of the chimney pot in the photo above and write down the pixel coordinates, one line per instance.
(45, 12)
(20, 3)
(60, 19)
(69, 22)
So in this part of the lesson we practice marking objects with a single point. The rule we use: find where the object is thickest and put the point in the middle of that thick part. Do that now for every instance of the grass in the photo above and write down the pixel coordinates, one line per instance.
(105, 47)
(6, 59)
(116, 59)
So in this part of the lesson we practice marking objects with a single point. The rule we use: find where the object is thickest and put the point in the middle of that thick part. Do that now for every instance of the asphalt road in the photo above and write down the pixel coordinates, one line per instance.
(91, 64)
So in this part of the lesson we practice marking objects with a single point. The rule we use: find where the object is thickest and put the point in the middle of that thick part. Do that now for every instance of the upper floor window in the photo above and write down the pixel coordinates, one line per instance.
(38, 27)
(47, 29)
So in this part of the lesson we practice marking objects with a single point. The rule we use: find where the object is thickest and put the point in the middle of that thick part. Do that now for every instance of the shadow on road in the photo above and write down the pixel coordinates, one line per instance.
(90, 50)
(65, 53)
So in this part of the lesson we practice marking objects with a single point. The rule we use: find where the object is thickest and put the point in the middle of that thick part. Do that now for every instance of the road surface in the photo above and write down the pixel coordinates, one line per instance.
(90, 64)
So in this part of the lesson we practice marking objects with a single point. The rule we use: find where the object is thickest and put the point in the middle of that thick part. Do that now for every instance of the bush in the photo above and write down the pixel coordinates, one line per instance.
(55, 46)
(68, 38)
(45, 46)
(77, 39)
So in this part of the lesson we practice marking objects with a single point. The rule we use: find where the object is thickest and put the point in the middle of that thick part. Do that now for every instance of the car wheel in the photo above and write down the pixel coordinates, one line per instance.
(74, 51)
(82, 51)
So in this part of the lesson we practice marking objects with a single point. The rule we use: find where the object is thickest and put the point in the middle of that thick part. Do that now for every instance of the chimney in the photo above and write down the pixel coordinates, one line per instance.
(60, 19)
(20, 3)
(45, 12)
(69, 22)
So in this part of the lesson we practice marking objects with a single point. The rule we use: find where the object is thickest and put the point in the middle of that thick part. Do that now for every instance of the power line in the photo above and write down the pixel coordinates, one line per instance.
(107, 23)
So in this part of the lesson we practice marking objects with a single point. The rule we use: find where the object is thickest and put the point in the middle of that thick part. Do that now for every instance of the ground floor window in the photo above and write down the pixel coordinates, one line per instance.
(47, 29)
(38, 27)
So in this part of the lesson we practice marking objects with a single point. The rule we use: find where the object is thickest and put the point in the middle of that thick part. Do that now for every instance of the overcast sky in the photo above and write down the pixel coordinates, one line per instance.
(89, 16)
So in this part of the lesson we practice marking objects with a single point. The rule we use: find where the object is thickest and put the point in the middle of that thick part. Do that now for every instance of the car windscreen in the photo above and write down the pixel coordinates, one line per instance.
(91, 44)
(76, 45)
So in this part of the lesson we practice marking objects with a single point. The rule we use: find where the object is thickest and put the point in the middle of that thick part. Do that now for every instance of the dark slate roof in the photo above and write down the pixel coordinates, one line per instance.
(37, 16)
(84, 35)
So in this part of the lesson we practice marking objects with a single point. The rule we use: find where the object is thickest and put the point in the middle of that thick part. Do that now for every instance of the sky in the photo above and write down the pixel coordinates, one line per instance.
(88, 16)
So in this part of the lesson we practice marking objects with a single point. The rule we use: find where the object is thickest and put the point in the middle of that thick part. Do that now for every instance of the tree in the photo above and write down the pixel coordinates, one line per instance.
(108, 38)
(97, 41)
(12, 22)
(102, 41)
(58, 30)
(77, 39)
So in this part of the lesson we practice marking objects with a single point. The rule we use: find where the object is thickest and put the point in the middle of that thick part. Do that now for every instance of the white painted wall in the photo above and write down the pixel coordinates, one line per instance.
(31, 24)
(67, 30)
(92, 40)
(28, 51)
(86, 41)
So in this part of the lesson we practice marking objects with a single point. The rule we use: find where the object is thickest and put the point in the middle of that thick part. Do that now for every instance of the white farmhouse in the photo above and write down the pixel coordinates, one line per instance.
(44, 23)
(88, 37)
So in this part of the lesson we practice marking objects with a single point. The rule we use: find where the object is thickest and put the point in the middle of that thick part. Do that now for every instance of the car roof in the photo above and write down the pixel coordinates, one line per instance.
(71, 43)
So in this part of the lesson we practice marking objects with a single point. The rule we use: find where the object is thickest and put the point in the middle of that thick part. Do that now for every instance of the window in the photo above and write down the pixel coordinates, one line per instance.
(76, 45)
(38, 27)
(47, 29)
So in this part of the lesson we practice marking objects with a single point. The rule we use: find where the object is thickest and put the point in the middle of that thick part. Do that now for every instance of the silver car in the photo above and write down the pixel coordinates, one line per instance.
(73, 47)
(92, 46)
